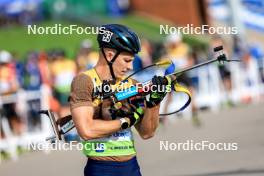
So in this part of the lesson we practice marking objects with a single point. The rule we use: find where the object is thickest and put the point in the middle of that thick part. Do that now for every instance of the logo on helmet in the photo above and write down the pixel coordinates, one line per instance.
(107, 36)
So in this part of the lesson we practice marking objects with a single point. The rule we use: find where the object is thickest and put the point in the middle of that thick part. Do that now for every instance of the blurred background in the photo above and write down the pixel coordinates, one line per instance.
(36, 72)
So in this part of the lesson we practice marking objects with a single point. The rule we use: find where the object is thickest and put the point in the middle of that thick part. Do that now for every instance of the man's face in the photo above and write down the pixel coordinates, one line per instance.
(123, 64)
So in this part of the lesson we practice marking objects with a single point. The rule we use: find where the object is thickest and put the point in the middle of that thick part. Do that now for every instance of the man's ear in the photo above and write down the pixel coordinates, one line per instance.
(109, 53)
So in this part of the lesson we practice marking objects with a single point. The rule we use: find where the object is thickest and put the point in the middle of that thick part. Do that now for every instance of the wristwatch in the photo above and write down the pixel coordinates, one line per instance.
(124, 123)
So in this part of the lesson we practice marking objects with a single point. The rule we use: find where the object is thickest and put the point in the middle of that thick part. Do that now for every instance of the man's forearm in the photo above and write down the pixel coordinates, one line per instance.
(89, 128)
(102, 128)
(149, 123)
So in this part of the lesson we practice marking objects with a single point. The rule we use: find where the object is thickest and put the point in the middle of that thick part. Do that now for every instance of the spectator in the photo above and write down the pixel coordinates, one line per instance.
(146, 53)
(224, 69)
(86, 58)
(257, 53)
(62, 72)
(45, 74)
(250, 79)
(181, 57)
(44, 70)
(32, 83)
(9, 85)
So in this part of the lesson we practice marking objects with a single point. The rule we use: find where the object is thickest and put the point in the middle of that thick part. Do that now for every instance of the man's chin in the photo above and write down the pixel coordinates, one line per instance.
(121, 75)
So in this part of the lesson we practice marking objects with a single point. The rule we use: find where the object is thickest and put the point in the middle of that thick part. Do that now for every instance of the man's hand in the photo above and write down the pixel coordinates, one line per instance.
(131, 109)
(161, 85)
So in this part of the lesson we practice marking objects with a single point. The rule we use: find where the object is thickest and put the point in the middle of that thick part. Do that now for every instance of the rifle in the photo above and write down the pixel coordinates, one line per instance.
(65, 124)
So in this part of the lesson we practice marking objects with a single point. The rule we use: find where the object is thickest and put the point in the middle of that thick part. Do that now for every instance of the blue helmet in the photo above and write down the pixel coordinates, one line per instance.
(119, 37)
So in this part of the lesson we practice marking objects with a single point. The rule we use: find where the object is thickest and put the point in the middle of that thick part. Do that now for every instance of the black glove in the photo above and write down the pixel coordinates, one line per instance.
(161, 85)
(131, 108)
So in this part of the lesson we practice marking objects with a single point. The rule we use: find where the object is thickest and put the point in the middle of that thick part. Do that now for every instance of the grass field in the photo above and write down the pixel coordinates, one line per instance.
(17, 40)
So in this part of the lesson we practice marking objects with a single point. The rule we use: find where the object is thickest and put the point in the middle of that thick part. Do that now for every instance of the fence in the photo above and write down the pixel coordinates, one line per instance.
(10, 143)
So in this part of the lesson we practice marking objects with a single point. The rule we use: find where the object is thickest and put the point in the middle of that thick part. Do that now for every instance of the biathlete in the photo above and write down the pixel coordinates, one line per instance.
(106, 133)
